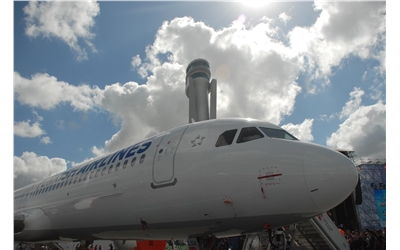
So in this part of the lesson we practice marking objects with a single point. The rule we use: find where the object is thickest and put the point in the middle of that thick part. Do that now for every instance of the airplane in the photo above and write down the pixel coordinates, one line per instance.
(213, 178)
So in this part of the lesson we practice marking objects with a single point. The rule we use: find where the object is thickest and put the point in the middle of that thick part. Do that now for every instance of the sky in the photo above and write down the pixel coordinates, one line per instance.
(92, 77)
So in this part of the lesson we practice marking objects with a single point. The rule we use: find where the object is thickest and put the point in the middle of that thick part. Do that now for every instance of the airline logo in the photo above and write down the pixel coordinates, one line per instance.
(130, 151)
(197, 141)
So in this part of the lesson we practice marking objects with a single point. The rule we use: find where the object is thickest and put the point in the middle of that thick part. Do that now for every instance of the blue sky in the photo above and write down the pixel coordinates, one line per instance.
(90, 78)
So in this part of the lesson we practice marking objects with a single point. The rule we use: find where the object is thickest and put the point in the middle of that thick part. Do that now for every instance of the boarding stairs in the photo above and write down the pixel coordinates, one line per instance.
(317, 233)
(38, 246)
(320, 232)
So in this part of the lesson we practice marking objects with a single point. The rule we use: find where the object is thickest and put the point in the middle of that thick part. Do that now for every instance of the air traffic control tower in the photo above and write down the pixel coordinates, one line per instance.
(197, 88)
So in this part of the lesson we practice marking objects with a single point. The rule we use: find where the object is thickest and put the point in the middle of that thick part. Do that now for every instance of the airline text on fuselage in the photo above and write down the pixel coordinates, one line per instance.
(130, 151)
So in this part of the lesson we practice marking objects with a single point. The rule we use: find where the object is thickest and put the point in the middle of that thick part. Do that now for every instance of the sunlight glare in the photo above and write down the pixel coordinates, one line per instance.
(255, 3)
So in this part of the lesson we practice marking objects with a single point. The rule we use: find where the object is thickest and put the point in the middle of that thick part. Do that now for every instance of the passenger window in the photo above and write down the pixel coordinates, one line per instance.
(104, 170)
(142, 158)
(249, 134)
(125, 164)
(110, 169)
(97, 172)
(117, 167)
(91, 174)
(226, 138)
(86, 176)
(133, 161)
(277, 133)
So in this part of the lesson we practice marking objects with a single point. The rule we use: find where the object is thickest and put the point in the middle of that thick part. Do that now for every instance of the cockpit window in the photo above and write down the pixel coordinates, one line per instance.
(278, 133)
(226, 138)
(249, 134)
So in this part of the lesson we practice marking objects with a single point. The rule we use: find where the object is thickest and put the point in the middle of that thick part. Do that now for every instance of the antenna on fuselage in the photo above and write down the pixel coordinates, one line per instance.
(197, 88)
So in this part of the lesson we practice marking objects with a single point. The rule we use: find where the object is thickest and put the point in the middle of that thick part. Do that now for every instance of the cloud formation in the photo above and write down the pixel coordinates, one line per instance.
(302, 131)
(46, 92)
(284, 17)
(364, 131)
(30, 167)
(265, 82)
(67, 21)
(341, 30)
(26, 129)
(353, 104)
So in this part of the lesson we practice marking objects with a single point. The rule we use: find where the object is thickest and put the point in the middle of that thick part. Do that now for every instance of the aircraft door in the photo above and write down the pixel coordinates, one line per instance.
(163, 163)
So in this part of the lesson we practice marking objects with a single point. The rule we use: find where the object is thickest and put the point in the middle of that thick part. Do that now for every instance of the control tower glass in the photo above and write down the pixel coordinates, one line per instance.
(196, 64)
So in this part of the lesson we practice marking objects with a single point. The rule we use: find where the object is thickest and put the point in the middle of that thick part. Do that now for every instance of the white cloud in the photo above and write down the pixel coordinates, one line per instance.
(46, 92)
(68, 21)
(326, 118)
(45, 140)
(255, 72)
(26, 129)
(146, 109)
(376, 90)
(353, 104)
(30, 168)
(136, 61)
(284, 17)
(342, 29)
(364, 131)
(97, 151)
(301, 131)
(364, 75)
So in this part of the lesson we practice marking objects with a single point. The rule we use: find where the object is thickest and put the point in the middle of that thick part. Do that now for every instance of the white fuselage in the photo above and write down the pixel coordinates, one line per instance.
(178, 184)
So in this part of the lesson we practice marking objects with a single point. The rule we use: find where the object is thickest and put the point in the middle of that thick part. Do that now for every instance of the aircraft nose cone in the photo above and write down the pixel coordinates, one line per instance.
(331, 177)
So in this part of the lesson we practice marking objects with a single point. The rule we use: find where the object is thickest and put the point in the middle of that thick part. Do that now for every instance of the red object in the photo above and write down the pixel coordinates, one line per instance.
(268, 176)
(150, 245)
(267, 226)
(228, 202)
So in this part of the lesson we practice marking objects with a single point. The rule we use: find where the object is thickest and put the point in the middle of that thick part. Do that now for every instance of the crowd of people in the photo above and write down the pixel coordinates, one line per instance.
(365, 240)
(95, 247)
